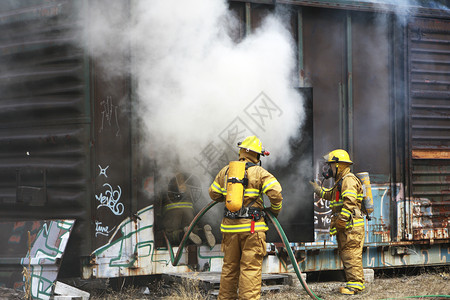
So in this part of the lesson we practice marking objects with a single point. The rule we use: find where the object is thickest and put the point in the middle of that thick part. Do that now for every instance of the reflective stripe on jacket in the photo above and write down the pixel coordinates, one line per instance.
(178, 205)
(349, 224)
(259, 226)
(259, 181)
(348, 205)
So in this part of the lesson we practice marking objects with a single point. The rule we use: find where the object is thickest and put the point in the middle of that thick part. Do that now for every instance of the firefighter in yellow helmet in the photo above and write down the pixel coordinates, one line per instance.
(347, 221)
(244, 237)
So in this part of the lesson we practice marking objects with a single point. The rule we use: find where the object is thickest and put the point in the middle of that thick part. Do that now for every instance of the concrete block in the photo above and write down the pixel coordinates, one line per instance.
(369, 275)
(293, 279)
(65, 290)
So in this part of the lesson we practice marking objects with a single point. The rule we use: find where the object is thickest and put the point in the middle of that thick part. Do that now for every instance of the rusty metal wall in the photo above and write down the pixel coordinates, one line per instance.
(45, 116)
(359, 101)
(429, 127)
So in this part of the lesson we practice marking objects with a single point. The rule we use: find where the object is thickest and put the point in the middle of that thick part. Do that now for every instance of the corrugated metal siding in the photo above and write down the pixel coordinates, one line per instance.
(429, 117)
(45, 122)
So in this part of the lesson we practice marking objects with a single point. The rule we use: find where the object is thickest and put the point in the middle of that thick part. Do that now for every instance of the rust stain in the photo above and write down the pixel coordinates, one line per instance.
(431, 154)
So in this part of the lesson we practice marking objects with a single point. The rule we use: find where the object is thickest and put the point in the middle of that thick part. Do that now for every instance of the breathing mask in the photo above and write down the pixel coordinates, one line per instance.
(328, 173)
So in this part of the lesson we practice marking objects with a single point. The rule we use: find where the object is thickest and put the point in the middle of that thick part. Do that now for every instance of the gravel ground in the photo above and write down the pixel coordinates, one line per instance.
(10, 294)
(417, 284)
(382, 288)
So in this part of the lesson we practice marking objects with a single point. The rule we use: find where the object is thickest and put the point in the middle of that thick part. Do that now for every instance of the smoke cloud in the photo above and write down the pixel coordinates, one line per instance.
(197, 87)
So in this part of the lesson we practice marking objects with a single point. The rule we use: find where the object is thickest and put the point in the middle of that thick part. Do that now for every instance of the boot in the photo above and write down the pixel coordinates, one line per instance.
(210, 238)
(348, 291)
(193, 237)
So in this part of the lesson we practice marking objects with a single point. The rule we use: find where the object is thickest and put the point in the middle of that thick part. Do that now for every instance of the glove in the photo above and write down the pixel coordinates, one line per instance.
(316, 187)
(340, 224)
(275, 214)
(266, 217)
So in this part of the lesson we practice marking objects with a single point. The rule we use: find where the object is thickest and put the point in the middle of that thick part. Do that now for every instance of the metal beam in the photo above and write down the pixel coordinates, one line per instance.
(301, 67)
(349, 84)
(248, 19)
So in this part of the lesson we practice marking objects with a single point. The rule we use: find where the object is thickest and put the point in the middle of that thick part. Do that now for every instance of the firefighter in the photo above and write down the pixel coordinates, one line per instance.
(243, 231)
(347, 220)
(178, 210)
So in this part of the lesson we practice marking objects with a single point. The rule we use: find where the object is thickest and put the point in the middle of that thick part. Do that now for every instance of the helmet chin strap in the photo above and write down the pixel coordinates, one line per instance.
(337, 169)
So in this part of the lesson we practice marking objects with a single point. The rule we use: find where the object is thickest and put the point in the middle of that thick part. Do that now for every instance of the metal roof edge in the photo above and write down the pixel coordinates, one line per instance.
(370, 6)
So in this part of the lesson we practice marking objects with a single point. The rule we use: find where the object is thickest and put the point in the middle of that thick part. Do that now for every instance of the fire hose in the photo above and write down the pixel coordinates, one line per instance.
(176, 258)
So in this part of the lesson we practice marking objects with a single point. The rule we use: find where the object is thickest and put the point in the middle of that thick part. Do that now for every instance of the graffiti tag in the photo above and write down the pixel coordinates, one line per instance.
(109, 113)
(111, 199)
(103, 171)
(102, 230)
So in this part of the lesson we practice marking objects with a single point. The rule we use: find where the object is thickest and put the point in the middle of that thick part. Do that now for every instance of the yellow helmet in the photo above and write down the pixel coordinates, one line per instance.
(338, 155)
(252, 143)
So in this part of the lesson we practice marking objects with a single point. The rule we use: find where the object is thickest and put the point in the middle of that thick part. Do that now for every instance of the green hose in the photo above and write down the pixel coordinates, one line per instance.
(425, 296)
(290, 253)
(175, 259)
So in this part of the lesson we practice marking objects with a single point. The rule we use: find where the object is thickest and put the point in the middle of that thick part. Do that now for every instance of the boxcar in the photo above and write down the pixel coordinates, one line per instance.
(80, 195)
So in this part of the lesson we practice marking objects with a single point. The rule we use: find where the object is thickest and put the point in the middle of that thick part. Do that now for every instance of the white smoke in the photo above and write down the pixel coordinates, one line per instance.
(192, 78)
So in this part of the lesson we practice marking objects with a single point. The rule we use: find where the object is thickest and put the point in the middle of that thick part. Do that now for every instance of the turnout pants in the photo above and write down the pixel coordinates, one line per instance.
(242, 265)
(350, 245)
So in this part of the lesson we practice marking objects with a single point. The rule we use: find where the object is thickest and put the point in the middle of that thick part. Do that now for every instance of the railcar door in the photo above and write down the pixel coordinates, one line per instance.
(429, 129)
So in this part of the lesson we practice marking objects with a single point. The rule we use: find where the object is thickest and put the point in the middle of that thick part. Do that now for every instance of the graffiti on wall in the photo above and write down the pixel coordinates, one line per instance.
(129, 249)
(45, 255)
(378, 228)
(115, 259)
(322, 215)
(40, 253)
(102, 229)
(111, 199)
(103, 171)
(111, 191)
(109, 115)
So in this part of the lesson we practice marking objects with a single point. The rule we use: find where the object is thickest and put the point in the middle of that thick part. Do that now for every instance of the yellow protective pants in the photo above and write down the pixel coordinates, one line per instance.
(242, 265)
(350, 246)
